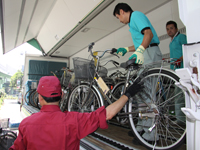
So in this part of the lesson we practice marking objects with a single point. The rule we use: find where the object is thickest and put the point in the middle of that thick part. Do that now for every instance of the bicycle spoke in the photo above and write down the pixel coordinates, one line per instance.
(165, 99)
(83, 99)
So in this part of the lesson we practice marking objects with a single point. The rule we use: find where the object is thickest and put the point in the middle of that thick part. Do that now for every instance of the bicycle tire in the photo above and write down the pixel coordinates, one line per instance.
(5, 132)
(27, 96)
(117, 92)
(36, 100)
(7, 140)
(80, 92)
(35, 96)
(31, 98)
(64, 100)
(168, 134)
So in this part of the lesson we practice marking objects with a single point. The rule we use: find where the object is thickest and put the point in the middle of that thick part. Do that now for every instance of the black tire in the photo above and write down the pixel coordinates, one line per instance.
(117, 92)
(27, 95)
(36, 100)
(64, 100)
(77, 96)
(7, 140)
(31, 98)
(162, 92)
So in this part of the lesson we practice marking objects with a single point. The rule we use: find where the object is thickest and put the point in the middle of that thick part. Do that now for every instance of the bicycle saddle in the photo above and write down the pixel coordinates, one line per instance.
(129, 63)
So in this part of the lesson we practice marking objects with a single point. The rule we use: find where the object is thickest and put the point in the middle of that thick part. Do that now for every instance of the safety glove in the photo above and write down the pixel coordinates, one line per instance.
(136, 87)
(122, 50)
(138, 54)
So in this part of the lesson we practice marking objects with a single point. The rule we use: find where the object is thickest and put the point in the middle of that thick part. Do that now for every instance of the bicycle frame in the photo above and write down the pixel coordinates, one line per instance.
(154, 103)
(129, 79)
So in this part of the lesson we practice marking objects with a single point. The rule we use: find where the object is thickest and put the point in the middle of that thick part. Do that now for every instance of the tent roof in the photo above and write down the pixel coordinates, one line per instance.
(61, 28)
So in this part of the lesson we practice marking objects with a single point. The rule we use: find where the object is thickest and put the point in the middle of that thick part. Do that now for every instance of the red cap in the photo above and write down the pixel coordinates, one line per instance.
(49, 86)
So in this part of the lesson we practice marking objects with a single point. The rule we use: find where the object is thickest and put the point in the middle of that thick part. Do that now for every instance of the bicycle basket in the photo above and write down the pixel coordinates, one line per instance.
(83, 68)
(4, 123)
(103, 72)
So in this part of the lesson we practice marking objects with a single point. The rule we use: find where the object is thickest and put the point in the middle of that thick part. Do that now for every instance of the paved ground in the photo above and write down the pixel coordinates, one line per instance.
(11, 109)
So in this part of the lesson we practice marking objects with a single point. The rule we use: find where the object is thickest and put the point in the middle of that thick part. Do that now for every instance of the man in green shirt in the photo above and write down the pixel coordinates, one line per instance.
(175, 46)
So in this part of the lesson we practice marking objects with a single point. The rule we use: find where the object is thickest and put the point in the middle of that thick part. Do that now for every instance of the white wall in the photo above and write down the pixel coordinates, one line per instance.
(122, 37)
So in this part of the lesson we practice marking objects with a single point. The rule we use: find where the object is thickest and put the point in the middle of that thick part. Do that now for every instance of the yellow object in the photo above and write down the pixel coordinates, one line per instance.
(95, 60)
(103, 86)
(127, 49)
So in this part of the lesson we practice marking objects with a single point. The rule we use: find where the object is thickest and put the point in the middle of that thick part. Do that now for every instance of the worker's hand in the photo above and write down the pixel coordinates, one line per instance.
(138, 54)
(134, 88)
(178, 63)
(122, 50)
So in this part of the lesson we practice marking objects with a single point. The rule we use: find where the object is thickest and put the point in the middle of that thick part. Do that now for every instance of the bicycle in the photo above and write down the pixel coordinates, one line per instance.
(31, 98)
(118, 76)
(7, 137)
(67, 83)
(160, 90)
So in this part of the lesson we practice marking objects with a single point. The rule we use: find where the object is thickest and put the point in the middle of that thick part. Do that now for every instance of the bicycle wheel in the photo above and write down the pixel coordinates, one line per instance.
(27, 95)
(7, 140)
(117, 92)
(36, 100)
(65, 97)
(163, 123)
(31, 98)
(84, 99)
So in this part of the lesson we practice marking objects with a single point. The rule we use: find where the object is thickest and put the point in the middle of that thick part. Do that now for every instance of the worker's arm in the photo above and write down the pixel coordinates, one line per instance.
(138, 54)
(115, 107)
(131, 48)
(148, 35)
(181, 58)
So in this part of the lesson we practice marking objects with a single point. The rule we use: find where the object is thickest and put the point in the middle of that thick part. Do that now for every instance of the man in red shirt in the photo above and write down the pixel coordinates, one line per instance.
(52, 129)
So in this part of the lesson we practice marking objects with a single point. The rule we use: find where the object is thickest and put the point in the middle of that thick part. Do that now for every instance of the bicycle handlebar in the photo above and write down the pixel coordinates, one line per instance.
(90, 47)
(114, 50)
(66, 69)
(114, 62)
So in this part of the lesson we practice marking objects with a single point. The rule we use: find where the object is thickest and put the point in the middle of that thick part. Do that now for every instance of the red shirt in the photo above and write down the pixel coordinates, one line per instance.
(52, 129)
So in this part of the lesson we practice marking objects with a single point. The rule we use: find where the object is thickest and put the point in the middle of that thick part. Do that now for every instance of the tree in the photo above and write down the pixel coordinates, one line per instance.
(16, 79)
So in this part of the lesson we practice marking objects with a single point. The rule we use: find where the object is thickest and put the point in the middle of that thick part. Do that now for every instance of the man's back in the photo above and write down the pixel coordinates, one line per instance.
(52, 129)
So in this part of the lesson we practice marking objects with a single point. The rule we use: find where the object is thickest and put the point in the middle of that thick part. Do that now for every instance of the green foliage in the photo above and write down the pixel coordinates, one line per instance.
(2, 97)
(17, 76)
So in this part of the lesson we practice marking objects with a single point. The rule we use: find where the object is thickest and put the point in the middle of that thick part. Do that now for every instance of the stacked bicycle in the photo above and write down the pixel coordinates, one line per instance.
(64, 75)
(152, 111)
(67, 83)
(31, 96)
